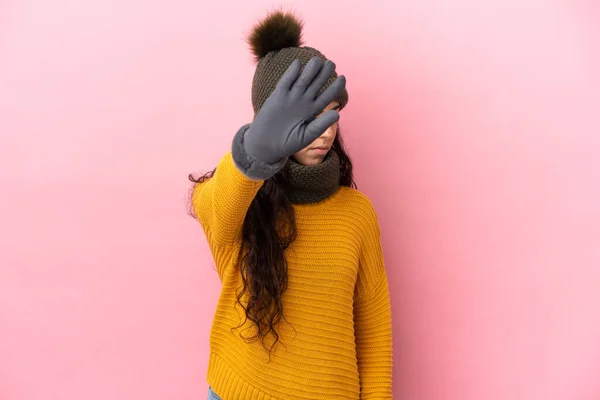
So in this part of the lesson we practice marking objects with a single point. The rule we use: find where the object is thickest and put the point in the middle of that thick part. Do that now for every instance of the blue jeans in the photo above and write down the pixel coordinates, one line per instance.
(212, 395)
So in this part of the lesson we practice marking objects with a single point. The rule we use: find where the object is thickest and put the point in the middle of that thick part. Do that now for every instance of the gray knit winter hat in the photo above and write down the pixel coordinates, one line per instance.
(276, 42)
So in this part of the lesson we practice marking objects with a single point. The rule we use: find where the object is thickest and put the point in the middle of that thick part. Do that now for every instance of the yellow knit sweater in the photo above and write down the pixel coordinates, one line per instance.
(339, 344)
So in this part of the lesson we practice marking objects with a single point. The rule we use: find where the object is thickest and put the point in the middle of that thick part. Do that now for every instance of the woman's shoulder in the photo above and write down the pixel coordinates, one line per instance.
(354, 194)
(358, 201)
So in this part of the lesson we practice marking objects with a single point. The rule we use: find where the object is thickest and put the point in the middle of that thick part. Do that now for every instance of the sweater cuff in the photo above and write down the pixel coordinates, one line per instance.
(248, 165)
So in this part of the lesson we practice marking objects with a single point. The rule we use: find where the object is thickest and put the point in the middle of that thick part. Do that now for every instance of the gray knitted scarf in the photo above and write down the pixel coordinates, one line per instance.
(311, 184)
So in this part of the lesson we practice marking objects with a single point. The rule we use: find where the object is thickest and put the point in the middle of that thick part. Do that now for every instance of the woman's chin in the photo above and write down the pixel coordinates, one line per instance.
(313, 160)
(309, 158)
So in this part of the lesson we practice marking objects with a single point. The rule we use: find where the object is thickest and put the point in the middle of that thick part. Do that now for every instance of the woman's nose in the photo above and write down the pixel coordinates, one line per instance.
(328, 132)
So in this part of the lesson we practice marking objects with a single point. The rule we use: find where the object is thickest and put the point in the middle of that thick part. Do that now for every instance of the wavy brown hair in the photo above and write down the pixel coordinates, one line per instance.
(269, 229)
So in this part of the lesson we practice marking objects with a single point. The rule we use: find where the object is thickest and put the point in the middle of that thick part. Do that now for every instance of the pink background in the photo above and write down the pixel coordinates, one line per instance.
(474, 127)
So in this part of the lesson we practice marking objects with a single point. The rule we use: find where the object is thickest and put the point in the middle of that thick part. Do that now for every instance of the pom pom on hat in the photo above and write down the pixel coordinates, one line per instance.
(276, 31)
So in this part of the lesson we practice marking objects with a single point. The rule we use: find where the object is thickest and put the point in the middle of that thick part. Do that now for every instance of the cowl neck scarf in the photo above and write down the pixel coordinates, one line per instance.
(311, 184)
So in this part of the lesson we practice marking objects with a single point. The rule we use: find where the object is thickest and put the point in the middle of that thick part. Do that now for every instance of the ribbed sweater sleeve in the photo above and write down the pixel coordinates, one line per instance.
(372, 317)
(221, 202)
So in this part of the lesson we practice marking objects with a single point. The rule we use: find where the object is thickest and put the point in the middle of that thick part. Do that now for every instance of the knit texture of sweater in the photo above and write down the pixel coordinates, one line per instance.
(336, 339)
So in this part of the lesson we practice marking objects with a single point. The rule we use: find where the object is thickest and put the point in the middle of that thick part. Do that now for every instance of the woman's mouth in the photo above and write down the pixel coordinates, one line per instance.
(320, 150)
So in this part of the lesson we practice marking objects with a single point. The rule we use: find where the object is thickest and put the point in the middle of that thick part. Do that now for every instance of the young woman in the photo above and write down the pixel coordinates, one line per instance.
(290, 234)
